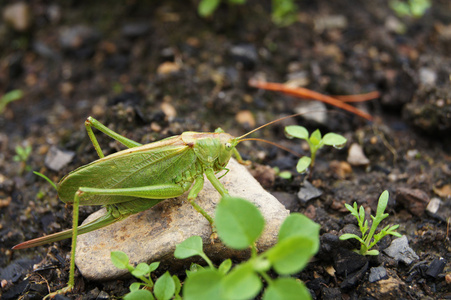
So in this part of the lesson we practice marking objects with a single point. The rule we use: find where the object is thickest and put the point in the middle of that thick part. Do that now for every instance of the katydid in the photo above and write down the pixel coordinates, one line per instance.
(135, 179)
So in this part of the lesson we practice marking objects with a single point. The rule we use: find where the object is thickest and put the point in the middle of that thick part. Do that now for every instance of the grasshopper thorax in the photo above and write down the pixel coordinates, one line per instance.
(213, 149)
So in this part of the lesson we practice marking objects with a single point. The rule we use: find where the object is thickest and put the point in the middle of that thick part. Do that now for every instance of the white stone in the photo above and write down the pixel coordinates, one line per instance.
(434, 205)
(356, 157)
(153, 234)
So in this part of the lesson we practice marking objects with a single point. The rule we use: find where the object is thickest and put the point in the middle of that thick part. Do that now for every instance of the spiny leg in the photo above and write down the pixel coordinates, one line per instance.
(192, 195)
(157, 192)
(71, 282)
(197, 187)
(91, 122)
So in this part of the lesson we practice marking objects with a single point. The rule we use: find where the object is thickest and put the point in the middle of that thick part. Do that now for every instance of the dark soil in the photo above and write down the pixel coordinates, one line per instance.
(152, 69)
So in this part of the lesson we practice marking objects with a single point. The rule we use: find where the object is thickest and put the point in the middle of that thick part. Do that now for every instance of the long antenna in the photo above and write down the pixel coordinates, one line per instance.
(275, 121)
(267, 124)
(274, 144)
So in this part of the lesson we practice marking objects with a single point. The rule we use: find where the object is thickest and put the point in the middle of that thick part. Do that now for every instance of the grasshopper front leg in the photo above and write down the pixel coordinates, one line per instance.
(197, 187)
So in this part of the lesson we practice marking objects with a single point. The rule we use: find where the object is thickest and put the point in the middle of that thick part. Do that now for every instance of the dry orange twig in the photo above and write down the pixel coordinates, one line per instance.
(338, 101)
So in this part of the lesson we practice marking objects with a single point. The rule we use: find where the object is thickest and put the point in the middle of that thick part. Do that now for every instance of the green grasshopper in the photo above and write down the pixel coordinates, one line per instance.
(135, 179)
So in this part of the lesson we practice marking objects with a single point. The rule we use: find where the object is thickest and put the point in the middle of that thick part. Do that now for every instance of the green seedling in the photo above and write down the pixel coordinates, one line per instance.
(9, 97)
(207, 7)
(411, 8)
(166, 287)
(240, 224)
(136, 179)
(283, 11)
(315, 142)
(367, 241)
(282, 174)
(22, 155)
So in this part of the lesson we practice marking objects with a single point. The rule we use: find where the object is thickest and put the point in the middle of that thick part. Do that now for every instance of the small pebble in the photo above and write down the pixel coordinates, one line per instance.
(414, 200)
(436, 267)
(411, 154)
(155, 127)
(444, 191)
(341, 168)
(245, 117)
(400, 251)
(313, 110)
(57, 159)
(168, 67)
(308, 192)
(137, 29)
(438, 209)
(77, 36)
(18, 16)
(168, 110)
(245, 54)
(448, 278)
(377, 274)
(356, 157)
(427, 76)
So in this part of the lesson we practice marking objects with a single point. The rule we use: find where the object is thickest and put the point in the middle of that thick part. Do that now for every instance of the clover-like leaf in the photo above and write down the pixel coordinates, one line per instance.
(242, 283)
(238, 222)
(286, 289)
(303, 164)
(119, 259)
(192, 246)
(296, 131)
(164, 287)
(335, 140)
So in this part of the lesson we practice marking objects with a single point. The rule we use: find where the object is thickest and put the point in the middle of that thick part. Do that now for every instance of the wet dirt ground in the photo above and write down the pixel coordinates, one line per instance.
(152, 70)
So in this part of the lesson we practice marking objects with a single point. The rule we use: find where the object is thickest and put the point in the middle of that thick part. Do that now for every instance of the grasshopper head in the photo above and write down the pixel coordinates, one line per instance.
(228, 144)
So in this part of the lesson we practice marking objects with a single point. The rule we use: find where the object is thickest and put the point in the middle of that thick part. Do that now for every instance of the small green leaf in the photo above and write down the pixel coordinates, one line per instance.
(382, 204)
(192, 246)
(10, 97)
(193, 269)
(285, 175)
(296, 131)
(119, 259)
(333, 139)
(178, 284)
(204, 285)
(260, 264)
(164, 287)
(347, 236)
(153, 266)
(315, 137)
(351, 209)
(225, 266)
(242, 283)
(139, 295)
(238, 222)
(299, 225)
(303, 164)
(372, 252)
(207, 7)
(361, 213)
(290, 255)
(286, 289)
(141, 269)
(135, 286)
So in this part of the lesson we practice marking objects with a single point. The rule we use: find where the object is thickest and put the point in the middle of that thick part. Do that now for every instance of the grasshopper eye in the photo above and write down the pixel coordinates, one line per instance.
(228, 146)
